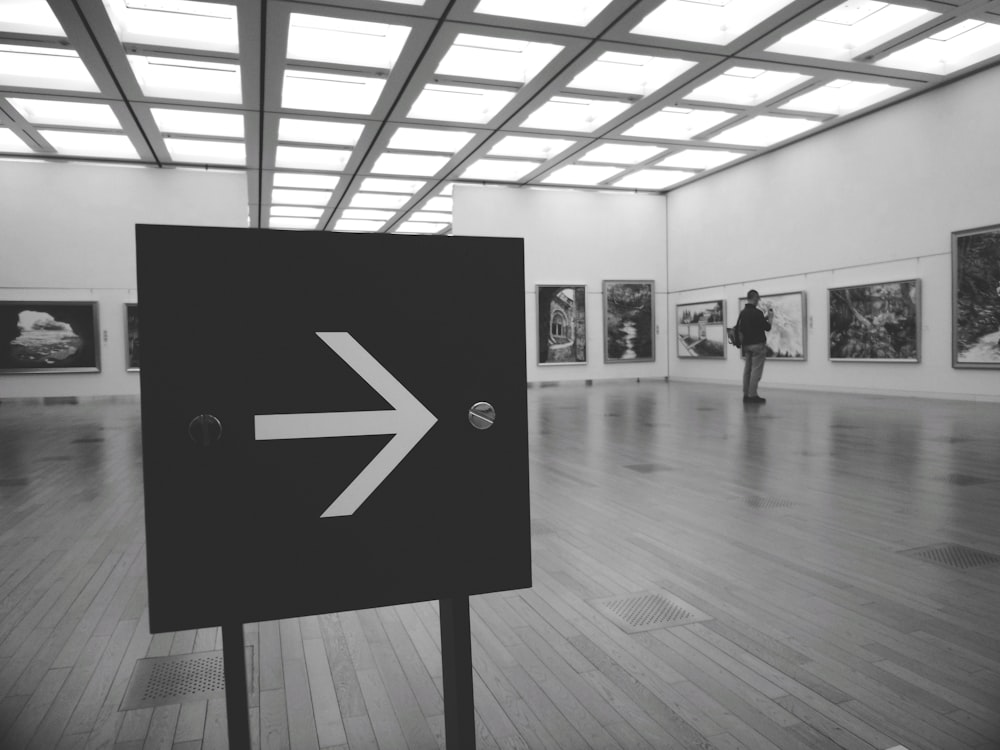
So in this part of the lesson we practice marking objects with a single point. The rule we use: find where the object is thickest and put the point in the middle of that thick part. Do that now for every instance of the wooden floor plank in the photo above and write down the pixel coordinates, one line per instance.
(819, 634)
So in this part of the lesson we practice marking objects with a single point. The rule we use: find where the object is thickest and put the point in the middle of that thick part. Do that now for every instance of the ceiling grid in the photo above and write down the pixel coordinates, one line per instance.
(362, 115)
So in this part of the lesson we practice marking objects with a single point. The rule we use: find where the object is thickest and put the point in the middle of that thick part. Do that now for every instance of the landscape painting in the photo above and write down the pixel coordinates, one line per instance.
(876, 322)
(628, 321)
(48, 337)
(132, 337)
(701, 330)
(976, 296)
(787, 337)
(562, 324)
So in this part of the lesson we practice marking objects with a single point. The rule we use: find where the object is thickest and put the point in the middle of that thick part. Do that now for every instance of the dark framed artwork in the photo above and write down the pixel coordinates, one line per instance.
(562, 324)
(975, 264)
(131, 337)
(629, 333)
(787, 338)
(49, 337)
(876, 322)
(701, 330)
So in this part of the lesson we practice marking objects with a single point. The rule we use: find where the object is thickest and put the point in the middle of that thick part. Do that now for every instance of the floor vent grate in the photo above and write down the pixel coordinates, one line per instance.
(953, 556)
(647, 468)
(757, 501)
(163, 680)
(636, 613)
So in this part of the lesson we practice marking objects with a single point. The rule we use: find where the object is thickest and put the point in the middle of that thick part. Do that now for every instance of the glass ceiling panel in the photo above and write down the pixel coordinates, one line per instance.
(206, 152)
(431, 216)
(530, 146)
(193, 122)
(566, 12)
(620, 153)
(302, 211)
(79, 143)
(677, 123)
(300, 197)
(842, 97)
(949, 50)
(176, 23)
(308, 181)
(436, 141)
(409, 164)
(44, 68)
(330, 92)
(440, 203)
(69, 114)
(765, 130)
(851, 29)
(388, 185)
(29, 17)
(574, 114)
(290, 222)
(173, 78)
(699, 158)
(319, 131)
(358, 225)
(708, 21)
(459, 104)
(576, 174)
(321, 159)
(504, 170)
(746, 86)
(420, 227)
(622, 73)
(652, 179)
(367, 213)
(11, 144)
(378, 200)
(345, 42)
(496, 58)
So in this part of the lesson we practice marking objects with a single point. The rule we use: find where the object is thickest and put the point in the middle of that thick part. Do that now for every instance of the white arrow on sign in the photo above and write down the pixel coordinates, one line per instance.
(408, 421)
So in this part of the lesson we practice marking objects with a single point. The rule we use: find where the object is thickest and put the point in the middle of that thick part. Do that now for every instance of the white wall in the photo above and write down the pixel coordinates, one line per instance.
(577, 238)
(873, 200)
(68, 233)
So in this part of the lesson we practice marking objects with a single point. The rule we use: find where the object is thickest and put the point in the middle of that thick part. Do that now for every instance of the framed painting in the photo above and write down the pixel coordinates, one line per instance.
(49, 337)
(787, 338)
(562, 324)
(629, 333)
(131, 337)
(975, 264)
(876, 322)
(701, 330)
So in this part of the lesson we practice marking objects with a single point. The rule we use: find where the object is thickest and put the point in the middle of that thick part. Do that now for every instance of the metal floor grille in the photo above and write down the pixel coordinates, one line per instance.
(163, 680)
(636, 613)
(953, 556)
(757, 501)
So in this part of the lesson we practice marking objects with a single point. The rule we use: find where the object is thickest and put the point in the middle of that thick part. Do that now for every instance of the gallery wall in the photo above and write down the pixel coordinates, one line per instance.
(577, 238)
(69, 235)
(875, 200)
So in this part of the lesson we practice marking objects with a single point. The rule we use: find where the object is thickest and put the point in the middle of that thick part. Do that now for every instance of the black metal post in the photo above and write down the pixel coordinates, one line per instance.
(235, 666)
(456, 666)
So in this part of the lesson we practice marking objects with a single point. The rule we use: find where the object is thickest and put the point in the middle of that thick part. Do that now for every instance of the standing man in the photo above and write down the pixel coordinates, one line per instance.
(754, 325)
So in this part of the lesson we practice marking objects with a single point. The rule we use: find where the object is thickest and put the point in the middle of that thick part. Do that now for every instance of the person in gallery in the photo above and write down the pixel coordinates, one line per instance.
(754, 325)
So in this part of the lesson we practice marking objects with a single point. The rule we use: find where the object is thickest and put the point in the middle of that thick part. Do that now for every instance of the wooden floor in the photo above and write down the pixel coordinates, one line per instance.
(782, 524)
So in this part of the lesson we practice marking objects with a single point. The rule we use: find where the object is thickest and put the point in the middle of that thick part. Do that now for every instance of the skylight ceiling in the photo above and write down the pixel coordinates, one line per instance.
(362, 115)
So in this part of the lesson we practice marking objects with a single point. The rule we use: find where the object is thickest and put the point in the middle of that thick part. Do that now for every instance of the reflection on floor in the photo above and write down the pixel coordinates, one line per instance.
(818, 572)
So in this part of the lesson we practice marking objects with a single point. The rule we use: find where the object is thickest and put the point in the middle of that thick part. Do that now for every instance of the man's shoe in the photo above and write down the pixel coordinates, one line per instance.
(756, 400)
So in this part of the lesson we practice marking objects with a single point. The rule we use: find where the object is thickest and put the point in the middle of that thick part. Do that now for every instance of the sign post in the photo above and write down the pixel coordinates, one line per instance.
(332, 422)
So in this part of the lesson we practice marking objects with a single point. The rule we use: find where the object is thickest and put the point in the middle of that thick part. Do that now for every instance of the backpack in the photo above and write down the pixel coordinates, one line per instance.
(734, 333)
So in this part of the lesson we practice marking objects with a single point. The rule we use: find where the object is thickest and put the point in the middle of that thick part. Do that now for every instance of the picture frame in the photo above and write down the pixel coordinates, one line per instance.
(975, 263)
(701, 330)
(44, 336)
(131, 337)
(786, 341)
(629, 321)
(562, 324)
(877, 322)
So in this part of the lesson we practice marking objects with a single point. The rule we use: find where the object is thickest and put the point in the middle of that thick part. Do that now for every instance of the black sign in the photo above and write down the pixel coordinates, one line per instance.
(330, 421)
